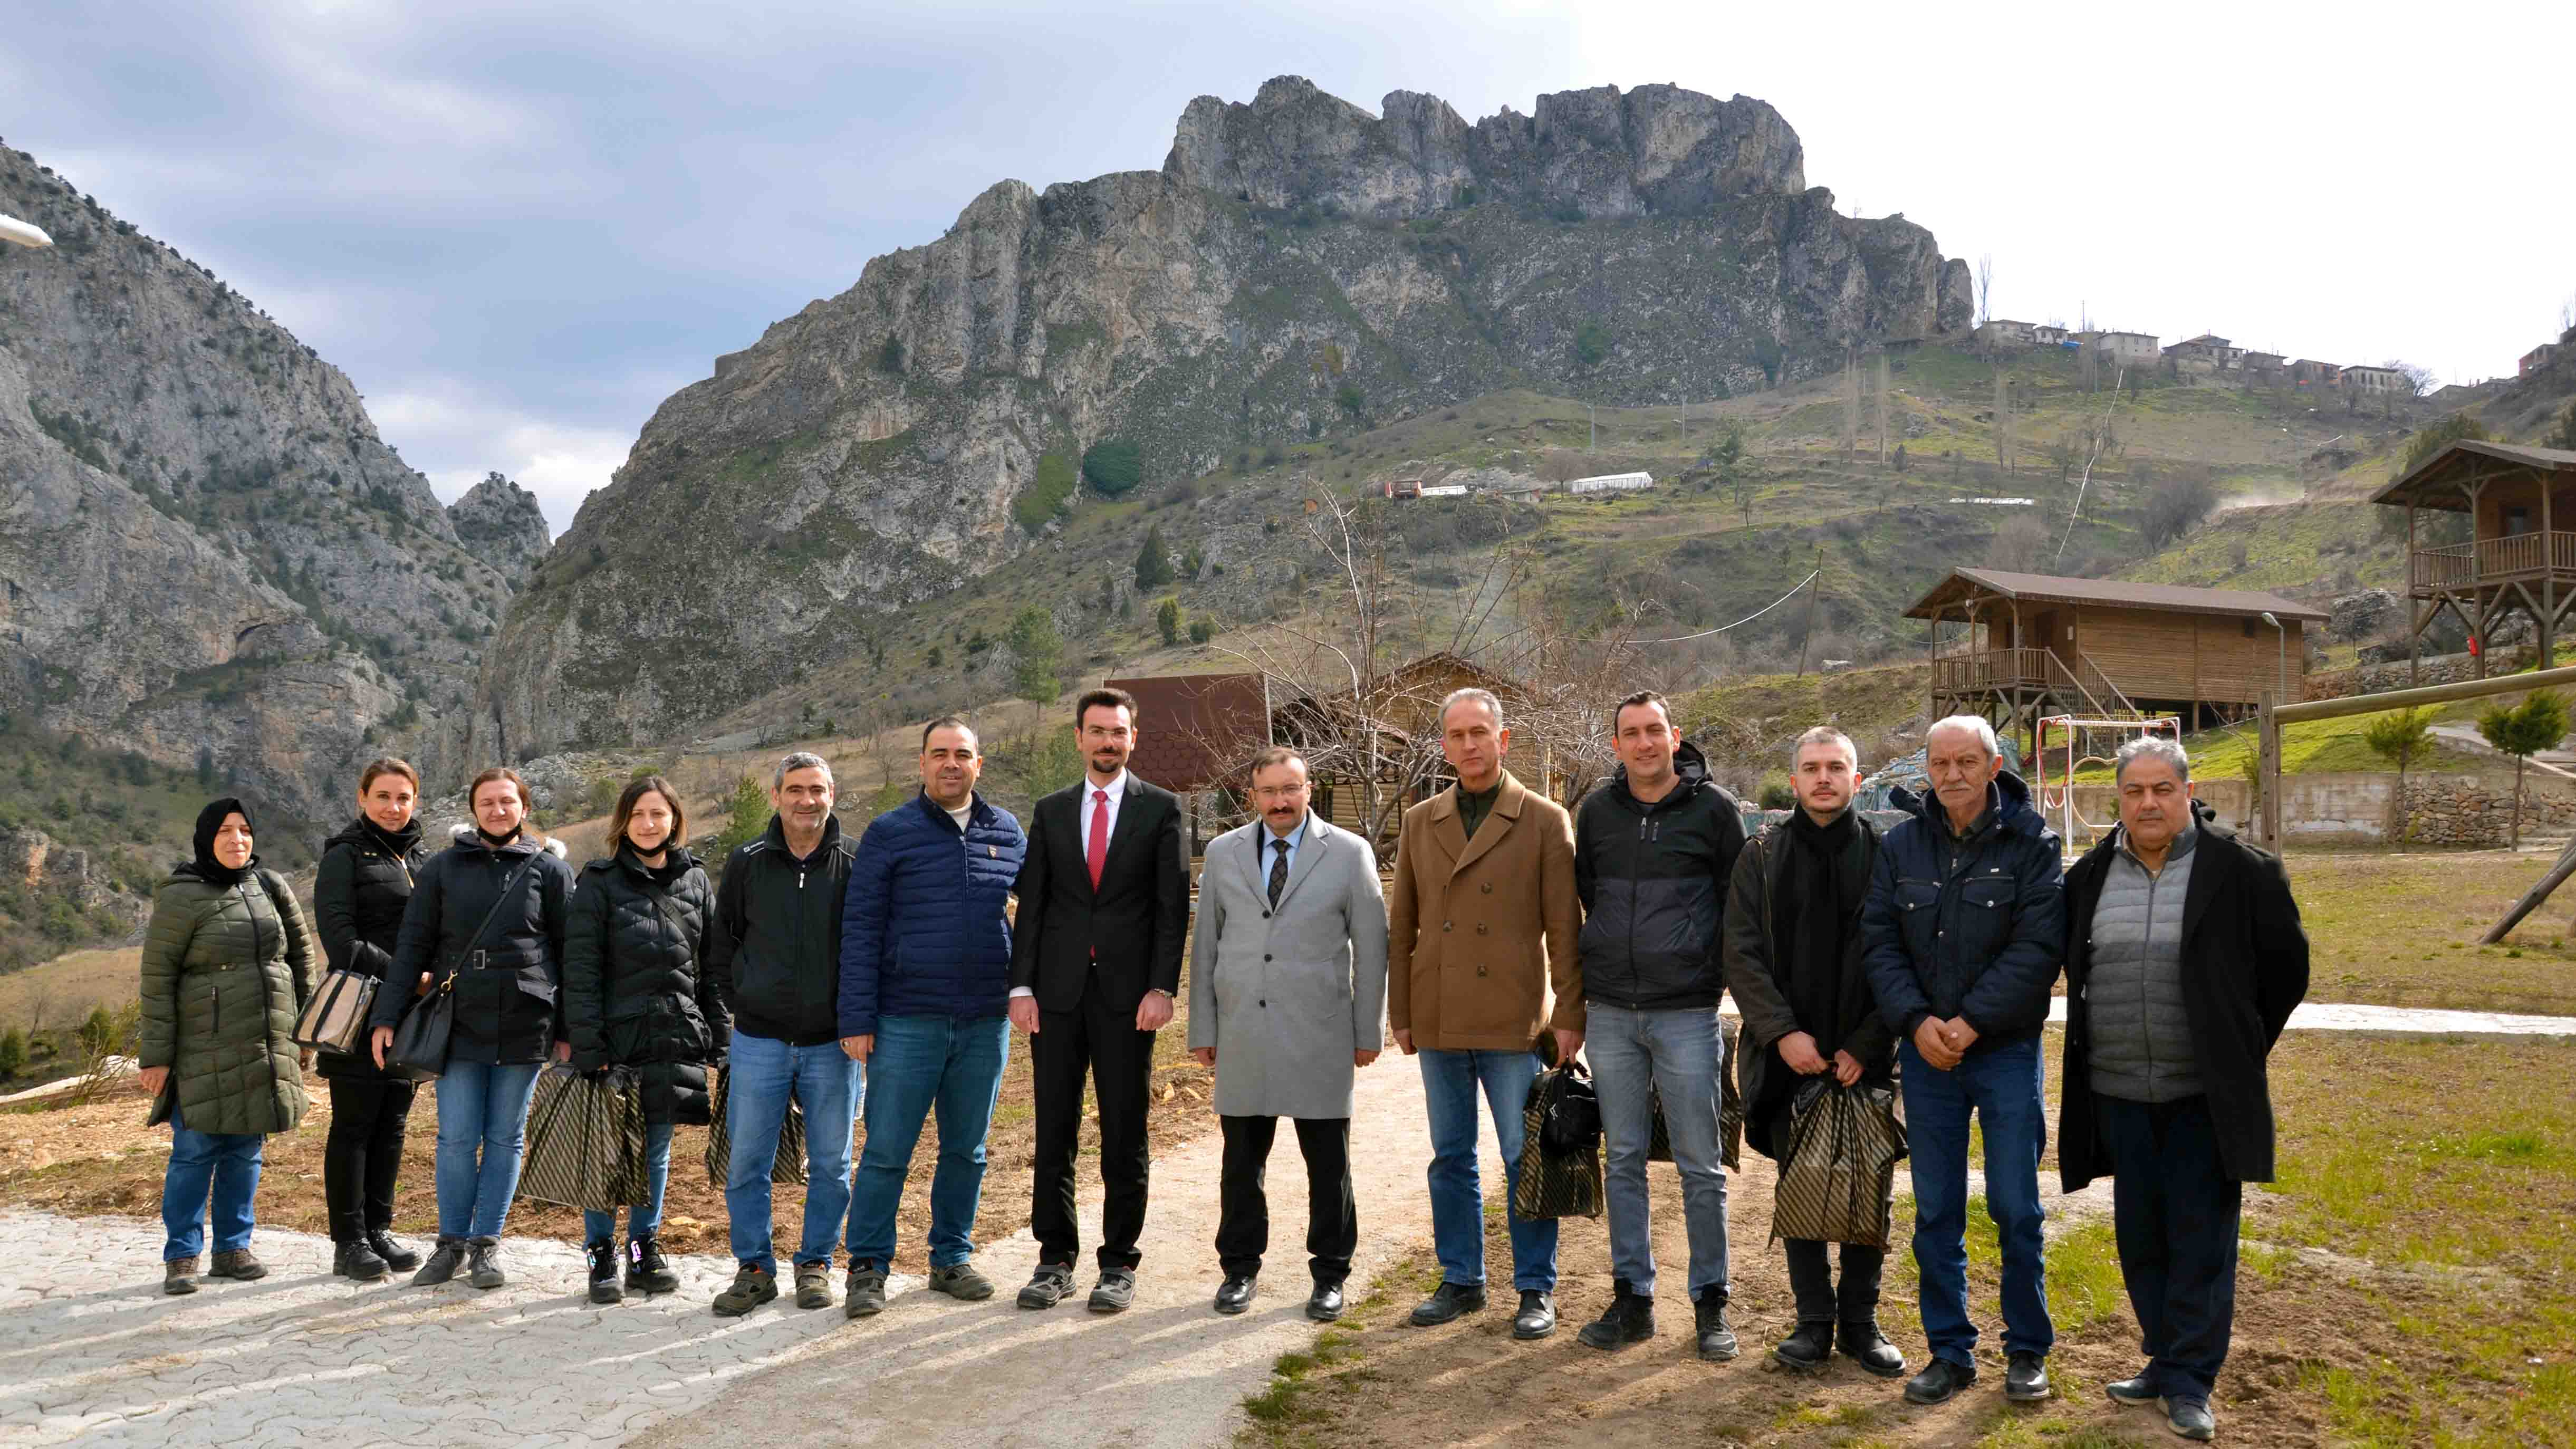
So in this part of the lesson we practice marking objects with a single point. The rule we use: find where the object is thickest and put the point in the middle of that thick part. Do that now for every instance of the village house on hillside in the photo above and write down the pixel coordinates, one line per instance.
(2126, 349)
(2536, 359)
(2039, 645)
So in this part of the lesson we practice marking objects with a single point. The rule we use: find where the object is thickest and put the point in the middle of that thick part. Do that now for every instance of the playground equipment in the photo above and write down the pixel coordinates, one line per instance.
(2064, 744)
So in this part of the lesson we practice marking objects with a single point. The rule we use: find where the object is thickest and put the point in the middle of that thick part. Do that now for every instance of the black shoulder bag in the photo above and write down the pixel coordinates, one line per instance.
(419, 1049)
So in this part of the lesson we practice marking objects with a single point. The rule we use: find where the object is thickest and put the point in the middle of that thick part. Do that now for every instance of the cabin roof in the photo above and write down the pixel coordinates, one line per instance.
(2120, 593)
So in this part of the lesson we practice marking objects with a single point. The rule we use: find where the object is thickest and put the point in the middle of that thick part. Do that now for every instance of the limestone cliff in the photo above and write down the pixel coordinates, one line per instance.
(1298, 268)
(205, 548)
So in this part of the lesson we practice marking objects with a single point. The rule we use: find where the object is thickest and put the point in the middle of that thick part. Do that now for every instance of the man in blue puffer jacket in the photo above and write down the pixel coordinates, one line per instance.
(1963, 930)
(925, 1003)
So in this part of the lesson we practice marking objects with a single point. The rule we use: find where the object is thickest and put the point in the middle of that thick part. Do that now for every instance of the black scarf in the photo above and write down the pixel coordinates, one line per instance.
(397, 843)
(496, 842)
(1818, 904)
(209, 820)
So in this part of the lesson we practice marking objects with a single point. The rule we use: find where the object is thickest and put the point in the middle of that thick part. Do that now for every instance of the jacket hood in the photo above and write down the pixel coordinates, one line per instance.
(467, 835)
(1690, 775)
(363, 831)
(2008, 797)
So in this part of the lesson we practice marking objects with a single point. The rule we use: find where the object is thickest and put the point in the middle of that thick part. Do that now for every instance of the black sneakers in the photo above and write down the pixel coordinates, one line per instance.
(1115, 1290)
(443, 1262)
(1050, 1285)
(753, 1286)
(647, 1271)
(1630, 1318)
(603, 1274)
(483, 1266)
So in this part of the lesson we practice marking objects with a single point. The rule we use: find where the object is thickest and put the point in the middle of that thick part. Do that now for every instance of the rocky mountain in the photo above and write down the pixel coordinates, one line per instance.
(207, 554)
(1299, 268)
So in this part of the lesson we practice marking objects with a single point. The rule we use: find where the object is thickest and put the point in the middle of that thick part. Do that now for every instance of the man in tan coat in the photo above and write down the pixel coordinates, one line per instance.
(1481, 925)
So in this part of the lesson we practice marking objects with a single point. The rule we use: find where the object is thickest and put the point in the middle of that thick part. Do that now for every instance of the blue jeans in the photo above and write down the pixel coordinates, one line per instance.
(1449, 1084)
(920, 1061)
(2002, 1088)
(761, 1075)
(485, 1107)
(227, 1163)
(1634, 1056)
(644, 1219)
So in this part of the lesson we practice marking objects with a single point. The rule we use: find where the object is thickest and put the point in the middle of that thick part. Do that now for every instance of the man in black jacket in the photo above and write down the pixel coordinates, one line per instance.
(1963, 928)
(2184, 960)
(1652, 851)
(1793, 960)
(775, 959)
(1095, 963)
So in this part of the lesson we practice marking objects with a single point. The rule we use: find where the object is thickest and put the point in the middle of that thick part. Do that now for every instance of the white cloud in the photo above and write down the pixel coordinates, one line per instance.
(455, 437)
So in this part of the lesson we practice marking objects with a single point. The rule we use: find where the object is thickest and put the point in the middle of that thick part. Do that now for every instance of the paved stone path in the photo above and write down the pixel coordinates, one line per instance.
(91, 1351)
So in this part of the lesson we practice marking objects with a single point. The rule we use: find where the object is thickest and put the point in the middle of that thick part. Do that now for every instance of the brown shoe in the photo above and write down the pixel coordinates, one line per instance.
(813, 1285)
(178, 1276)
(238, 1263)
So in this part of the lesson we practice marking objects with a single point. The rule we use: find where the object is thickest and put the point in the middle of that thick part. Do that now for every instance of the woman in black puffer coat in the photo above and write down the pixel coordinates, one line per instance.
(359, 892)
(634, 996)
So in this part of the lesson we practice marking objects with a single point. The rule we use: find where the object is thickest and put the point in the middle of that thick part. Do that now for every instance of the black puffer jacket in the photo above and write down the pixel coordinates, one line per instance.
(776, 956)
(1653, 882)
(505, 1011)
(1972, 927)
(633, 993)
(359, 893)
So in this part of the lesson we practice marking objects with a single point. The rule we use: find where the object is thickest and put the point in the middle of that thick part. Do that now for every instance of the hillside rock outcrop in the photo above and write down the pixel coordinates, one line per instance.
(1298, 269)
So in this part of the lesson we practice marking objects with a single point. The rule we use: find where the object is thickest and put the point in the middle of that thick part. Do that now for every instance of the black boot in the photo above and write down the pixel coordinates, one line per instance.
(1863, 1344)
(1716, 1337)
(647, 1271)
(357, 1260)
(1630, 1318)
(1808, 1349)
(396, 1256)
(603, 1274)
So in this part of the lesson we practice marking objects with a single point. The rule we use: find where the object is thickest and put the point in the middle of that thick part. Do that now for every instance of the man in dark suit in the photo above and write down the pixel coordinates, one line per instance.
(1095, 963)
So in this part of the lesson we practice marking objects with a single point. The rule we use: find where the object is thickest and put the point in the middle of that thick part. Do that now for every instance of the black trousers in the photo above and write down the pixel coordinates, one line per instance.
(1243, 1210)
(2174, 1214)
(1811, 1281)
(1099, 1043)
(363, 1155)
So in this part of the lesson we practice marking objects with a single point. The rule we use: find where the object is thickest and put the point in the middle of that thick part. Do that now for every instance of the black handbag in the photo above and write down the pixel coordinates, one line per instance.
(1569, 1111)
(419, 1049)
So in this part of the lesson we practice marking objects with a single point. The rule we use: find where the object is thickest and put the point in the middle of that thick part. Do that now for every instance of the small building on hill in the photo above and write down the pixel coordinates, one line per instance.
(2516, 559)
(2536, 359)
(2127, 349)
(2374, 380)
(2039, 645)
(1998, 332)
(1612, 483)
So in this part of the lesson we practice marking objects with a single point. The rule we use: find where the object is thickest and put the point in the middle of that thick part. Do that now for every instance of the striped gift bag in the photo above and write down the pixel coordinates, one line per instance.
(1840, 1163)
(585, 1140)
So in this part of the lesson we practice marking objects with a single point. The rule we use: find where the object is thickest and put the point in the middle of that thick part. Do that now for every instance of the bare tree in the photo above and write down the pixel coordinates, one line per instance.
(2421, 381)
(1851, 402)
(1985, 288)
(1882, 404)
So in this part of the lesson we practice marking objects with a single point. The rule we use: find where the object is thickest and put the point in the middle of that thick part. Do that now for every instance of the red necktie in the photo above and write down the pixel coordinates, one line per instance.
(1096, 851)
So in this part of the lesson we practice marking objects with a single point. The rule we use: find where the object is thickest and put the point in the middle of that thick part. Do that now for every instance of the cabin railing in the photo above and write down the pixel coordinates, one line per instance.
(2515, 555)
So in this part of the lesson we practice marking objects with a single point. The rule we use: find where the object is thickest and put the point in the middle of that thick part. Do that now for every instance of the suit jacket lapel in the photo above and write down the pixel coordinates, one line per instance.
(1446, 827)
(1256, 873)
(1507, 809)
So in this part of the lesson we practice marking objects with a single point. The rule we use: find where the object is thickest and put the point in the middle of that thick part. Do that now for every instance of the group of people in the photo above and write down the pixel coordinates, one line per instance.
(882, 978)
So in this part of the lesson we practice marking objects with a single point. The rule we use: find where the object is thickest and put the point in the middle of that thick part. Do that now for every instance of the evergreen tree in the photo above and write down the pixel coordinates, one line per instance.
(1154, 560)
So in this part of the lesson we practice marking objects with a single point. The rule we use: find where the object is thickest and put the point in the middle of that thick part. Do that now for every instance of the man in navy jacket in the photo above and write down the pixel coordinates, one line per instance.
(1962, 931)
(925, 1003)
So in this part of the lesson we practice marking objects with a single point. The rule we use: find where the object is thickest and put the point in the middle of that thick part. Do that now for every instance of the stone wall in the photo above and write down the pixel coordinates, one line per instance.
(2352, 806)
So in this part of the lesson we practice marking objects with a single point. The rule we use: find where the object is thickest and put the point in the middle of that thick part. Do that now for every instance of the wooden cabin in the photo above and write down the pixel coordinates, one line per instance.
(2516, 559)
(2040, 645)
(1193, 733)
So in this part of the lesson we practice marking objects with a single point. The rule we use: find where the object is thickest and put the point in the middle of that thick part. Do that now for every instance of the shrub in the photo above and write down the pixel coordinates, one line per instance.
(1112, 466)
(1202, 630)
(1153, 561)
(13, 1052)
(890, 355)
(1779, 795)
(1167, 620)
(1049, 493)
(1037, 652)
(1591, 344)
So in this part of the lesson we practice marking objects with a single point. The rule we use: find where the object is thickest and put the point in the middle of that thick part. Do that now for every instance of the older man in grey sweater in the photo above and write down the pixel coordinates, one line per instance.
(2184, 958)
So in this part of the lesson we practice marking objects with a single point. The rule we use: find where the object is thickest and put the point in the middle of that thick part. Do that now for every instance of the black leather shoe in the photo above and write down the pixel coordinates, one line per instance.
(1939, 1380)
(1324, 1305)
(1235, 1294)
(1716, 1337)
(2026, 1378)
(357, 1260)
(1863, 1344)
(1050, 1285)
(1447, 1302)
(2133, 1393)
(1537, 1318)
(1630, 1318)
(2190, 1418)
(1808, 1349)
(396, 1256)
(1115, 1290)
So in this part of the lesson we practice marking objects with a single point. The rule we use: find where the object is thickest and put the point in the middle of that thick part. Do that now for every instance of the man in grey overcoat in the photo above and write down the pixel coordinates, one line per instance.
(1287, 1002)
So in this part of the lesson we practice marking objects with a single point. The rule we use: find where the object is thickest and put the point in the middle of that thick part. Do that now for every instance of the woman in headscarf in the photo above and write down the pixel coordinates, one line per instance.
(359, 893)
(227, 964)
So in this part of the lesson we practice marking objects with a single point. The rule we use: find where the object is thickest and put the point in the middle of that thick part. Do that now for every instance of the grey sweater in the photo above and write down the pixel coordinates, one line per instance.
(2142, 1049)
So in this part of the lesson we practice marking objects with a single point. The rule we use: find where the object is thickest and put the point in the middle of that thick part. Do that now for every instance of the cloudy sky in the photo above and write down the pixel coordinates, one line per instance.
(520, 226)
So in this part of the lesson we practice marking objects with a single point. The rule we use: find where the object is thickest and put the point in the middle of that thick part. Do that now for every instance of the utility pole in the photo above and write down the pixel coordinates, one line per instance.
(1594, 410)
(1815, 586)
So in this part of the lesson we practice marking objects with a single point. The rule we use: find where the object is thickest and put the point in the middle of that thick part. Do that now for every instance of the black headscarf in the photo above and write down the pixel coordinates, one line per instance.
(209, 820)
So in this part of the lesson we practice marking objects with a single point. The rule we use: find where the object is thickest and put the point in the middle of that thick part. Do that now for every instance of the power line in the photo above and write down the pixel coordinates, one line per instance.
(1747, 619)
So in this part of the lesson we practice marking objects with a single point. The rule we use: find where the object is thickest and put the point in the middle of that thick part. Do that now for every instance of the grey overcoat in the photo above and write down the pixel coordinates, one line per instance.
(1286, 1000)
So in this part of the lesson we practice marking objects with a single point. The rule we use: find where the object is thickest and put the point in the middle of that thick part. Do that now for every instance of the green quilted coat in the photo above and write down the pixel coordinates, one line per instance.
(226, 970)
